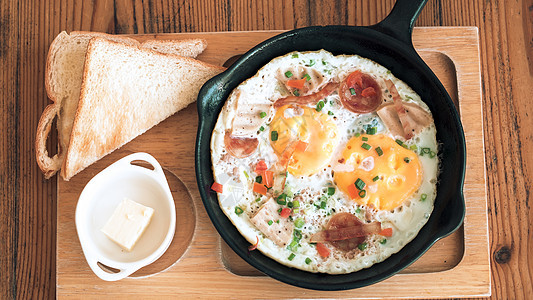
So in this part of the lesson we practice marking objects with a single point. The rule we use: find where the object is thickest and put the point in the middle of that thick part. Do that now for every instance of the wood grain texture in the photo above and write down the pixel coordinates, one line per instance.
(455, 265)
(27, 227)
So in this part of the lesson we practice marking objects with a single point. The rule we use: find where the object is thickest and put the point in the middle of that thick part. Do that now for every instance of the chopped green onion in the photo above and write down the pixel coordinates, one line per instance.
(383, 241)
(291, 257)
(366, 146)
(330, 113)
(258, 199)
(399, 142)
(406, 159)
(299, 222)
(259, 179)
(357, 134)
(362, 193)
(296, 211)
(323, 204)
(413, 147)
(262, 114)
(282, 202)
(324, 62)
(295, 203)
(358, 210)
(426, 150)
(388, 72)
(307, 77)
(352, 91)
(293, 245)
(362, 246)
(365, 139)
(432, 154)
(371, 130)
(331, 191)
(288, 74)
(311, 63)
(261, 128)
(295, 55)
(360, 184)
(283, 196)
(277, 221)
(279, 210)
(296, 93)
(319, 105)
(238, 210)
(379, 151)
(274, 136)
(270, 222)
(289, 204)
(307, 261)
(246, 174)
(375, 178)
(423, 197)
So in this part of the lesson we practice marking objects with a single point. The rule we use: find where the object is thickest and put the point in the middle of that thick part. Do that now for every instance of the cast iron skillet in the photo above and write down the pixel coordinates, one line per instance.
(389, 44)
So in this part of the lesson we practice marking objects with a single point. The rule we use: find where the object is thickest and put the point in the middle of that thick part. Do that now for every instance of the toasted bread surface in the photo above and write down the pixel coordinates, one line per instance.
(64, 72)
(126, 90)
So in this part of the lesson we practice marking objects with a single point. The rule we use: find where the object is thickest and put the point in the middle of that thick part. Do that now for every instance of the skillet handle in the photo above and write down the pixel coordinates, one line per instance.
(400, 22)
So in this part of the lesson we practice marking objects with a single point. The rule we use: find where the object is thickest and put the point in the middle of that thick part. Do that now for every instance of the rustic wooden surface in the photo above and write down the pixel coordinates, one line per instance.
(455, 265)
(27, 201)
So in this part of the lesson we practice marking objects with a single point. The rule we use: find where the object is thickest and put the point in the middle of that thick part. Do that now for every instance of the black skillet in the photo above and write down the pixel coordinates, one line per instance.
(389, 44)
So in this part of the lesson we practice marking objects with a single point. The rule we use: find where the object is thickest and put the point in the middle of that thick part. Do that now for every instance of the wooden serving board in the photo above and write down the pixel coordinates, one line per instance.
(199, 264)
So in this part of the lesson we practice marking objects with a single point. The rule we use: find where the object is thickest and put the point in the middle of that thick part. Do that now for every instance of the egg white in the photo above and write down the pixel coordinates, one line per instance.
(237, 176)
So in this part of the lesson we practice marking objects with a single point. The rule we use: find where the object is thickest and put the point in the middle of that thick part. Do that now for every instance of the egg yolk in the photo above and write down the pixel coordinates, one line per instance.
(292, 124)
(386, 172)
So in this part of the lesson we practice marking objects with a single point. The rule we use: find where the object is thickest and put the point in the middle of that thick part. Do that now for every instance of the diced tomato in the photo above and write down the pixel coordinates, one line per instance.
(217, 187)
(386, 232)
(322, 249)
(368, 92)
(285, 213)
(261, 167)
(353, 192)
(259, 188)
(360, 93)
(301, 146)
(297, 83)
(253, 247)
(268, 177)
(355, 78)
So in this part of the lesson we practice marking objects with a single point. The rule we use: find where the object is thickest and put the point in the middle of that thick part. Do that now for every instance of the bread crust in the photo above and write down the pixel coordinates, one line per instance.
(82, 149)
(60, 101)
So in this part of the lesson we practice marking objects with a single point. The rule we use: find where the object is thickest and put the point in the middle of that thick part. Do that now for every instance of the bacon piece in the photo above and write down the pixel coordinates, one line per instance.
(247, 118)
(345, 233)
(240, 147)
(312, 83)
(341, 220)
(360, 93)
(279, 232)
(309, 99)
(403, 119)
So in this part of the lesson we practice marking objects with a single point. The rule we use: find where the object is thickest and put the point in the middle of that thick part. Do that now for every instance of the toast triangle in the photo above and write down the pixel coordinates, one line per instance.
(126, 90)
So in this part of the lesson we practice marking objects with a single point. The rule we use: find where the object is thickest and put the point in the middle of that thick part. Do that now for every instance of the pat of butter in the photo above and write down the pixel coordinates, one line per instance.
(128, 222)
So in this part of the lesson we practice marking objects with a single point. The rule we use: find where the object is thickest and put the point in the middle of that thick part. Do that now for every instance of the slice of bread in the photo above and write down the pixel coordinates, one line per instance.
(63, 77)
(126, 90)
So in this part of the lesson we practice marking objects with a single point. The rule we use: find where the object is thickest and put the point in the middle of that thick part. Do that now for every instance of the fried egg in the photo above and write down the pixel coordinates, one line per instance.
(325, 142)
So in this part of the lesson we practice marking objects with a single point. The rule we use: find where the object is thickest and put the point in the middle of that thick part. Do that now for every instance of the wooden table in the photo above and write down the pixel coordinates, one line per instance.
(28, 201)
